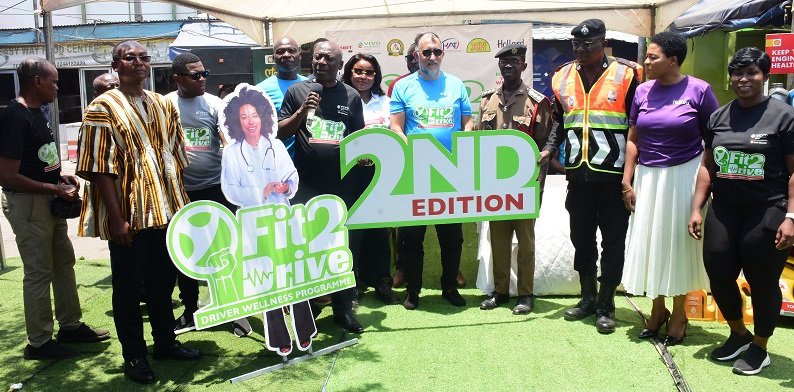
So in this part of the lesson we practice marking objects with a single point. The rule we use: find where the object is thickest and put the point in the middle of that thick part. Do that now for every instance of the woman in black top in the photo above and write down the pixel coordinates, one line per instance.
(747, 170)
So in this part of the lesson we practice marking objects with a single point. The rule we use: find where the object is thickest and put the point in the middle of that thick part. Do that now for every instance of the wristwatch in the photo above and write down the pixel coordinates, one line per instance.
(790, 215)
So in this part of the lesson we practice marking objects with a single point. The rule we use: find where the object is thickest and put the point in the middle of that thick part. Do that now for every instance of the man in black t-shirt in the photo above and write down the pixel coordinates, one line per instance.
(320, 112)
(30, 174)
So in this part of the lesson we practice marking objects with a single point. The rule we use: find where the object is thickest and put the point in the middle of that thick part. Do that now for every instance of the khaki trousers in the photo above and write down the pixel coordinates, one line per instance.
(48, 260)
(502, 249)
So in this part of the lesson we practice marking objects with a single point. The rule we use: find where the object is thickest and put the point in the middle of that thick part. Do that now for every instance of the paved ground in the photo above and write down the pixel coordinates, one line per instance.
(89, 248)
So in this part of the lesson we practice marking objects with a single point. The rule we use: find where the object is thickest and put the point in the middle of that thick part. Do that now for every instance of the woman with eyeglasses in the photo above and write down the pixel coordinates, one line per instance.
(362, 72)
(370, 247)
(663, 153)
(747, 169)
(257, 170)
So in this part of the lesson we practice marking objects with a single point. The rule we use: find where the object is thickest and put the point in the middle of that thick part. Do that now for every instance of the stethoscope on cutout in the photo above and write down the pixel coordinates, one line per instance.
(268, 149)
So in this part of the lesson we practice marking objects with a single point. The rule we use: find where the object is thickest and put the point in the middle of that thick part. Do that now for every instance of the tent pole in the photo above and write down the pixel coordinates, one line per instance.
(36, 21)
(266, 25)
(49, 48)
(790, 77)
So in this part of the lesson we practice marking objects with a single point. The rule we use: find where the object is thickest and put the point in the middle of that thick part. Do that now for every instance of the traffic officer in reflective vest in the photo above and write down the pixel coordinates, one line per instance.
(593, 96)
(513, 105)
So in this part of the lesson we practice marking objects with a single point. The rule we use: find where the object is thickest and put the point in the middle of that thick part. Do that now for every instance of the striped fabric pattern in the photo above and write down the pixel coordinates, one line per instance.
(142, 145)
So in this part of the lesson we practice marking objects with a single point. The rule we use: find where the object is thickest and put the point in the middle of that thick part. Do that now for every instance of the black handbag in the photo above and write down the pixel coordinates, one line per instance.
(66, 209)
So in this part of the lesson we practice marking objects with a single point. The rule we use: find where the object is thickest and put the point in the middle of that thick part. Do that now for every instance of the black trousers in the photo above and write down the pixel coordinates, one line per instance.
(592, 206)
(742, 237)
(349, 191)
(145, 261)
(371, 256)
(302, 322)
(450, 240)
(188, 287)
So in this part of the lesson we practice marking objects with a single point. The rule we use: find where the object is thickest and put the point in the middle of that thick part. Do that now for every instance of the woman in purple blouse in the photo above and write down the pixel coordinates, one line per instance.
(663, 153)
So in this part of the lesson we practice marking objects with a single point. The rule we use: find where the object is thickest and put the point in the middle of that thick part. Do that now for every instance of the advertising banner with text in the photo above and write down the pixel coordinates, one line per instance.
(489, 175)
(264, 258)
(780, 48)
(468, 51)
(81, 54)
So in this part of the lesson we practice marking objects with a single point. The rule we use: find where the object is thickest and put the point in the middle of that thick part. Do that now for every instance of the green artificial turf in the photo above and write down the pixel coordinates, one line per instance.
(435, 348)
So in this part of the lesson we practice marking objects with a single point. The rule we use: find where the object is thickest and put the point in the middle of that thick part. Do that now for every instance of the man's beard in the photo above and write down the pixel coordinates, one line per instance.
(428, 73)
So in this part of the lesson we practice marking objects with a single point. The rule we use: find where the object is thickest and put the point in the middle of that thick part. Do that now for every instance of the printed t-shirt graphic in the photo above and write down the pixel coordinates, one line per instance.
(739, 165)
(436, 106)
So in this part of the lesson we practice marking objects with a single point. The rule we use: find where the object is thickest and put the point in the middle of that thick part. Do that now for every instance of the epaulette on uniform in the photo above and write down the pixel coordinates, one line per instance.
(488, 93)
(627, 63)
(536, 95)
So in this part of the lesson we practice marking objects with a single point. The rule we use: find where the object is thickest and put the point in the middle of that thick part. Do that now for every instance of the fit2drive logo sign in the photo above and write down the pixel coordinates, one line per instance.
(264, 258)
(489, 175)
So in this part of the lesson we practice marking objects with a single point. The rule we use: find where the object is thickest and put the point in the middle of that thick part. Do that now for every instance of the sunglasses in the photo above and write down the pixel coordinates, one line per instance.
(428, 52)
(197, 75)
(368, 72)
(130, 59)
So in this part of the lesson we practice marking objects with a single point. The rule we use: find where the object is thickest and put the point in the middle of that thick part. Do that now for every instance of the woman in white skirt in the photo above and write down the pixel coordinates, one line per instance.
(665, 147)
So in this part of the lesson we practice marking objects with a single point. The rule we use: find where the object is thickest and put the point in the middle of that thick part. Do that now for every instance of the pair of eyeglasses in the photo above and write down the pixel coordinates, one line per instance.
(428, 52)
(582, 44)
(512, 62)
(368, 72)
(131, 59)
(197, 75)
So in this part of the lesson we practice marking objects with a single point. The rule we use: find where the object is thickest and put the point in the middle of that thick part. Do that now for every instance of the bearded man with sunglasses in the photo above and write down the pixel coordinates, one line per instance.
(132, 148)
(433, 102)
(593, 96)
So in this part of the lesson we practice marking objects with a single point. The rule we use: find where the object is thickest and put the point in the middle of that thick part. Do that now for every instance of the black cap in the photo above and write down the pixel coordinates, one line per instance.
(589, 28)
(512, 50)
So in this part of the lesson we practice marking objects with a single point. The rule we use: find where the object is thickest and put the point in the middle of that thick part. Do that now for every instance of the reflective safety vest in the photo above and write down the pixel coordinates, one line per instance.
(596, 123)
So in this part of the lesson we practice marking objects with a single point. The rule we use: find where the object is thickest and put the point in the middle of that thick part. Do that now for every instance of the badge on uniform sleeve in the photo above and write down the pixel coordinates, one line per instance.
(612, 96)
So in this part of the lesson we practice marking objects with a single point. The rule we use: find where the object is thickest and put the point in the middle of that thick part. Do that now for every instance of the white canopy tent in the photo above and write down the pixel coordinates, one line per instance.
(305, 20)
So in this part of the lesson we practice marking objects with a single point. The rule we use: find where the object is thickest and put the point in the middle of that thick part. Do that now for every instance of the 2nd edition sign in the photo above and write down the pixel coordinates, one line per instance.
(490, 175)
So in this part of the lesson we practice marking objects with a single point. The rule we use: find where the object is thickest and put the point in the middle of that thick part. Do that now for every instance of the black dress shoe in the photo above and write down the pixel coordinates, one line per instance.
(453, 296)
(348, 322)
(50, 350)
(386, 295)
(524, 305)
(138, 370)
(176, 351)
(494, 300)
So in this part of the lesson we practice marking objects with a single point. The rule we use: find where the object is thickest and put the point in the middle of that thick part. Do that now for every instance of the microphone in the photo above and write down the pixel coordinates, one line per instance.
(314, 88)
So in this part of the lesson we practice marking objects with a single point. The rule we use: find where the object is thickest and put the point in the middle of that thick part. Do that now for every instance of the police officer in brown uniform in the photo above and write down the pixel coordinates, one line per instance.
(514, 105)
